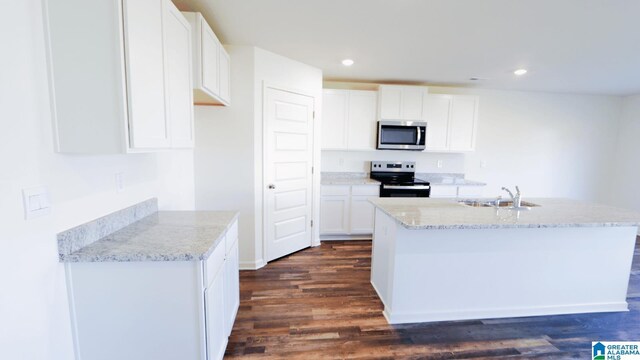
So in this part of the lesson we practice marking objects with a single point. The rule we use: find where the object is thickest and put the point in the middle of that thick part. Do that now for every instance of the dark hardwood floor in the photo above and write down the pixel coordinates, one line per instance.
(318, 304)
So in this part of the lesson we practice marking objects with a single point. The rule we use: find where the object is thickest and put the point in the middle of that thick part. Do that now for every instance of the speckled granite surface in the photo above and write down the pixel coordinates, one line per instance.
(428, 213)
(346, 178)
(80, 236)
(162, 236)
(448, 179)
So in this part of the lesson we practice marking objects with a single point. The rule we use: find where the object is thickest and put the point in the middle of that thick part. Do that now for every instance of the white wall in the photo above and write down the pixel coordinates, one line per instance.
(229, 141)
(623, 181)
(224, 154)
(551, 145)
(34, 316)
(359, 161)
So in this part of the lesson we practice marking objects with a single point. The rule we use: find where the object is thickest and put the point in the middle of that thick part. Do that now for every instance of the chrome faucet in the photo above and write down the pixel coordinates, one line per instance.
(517, 199)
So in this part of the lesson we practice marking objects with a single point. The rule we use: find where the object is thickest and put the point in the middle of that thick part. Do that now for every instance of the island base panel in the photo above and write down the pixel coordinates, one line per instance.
(440, 275)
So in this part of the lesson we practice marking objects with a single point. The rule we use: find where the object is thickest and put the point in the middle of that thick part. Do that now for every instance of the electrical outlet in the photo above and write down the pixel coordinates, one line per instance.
(341, 162)
(119, 182)
(439, 164)
(483, 164)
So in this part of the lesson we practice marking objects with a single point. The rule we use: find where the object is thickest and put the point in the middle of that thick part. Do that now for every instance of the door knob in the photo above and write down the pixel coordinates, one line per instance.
(271, 186)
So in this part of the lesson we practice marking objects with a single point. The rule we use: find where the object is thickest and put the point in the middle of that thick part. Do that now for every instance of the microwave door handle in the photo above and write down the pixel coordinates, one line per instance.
(419, 135)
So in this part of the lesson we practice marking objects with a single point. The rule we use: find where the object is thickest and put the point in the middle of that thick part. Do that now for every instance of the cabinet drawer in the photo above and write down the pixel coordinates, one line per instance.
(334, 190)
(214, 263)
(231, 236)
(365, 190)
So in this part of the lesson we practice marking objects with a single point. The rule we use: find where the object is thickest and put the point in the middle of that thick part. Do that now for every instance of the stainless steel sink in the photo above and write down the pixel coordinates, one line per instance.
(507, 204)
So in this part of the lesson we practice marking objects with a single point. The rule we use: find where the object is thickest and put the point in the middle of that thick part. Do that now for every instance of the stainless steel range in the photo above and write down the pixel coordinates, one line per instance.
(398, 179)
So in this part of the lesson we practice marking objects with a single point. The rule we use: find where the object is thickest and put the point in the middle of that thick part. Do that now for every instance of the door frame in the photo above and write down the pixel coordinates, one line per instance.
(315, 182)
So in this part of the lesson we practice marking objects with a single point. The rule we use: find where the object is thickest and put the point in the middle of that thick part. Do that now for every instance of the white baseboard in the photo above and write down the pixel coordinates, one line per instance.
(252, 265)
(403, 318)
(344, 237)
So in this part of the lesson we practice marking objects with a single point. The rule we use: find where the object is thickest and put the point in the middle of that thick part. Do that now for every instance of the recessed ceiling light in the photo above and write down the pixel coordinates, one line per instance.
(347, 62)
(520, 72)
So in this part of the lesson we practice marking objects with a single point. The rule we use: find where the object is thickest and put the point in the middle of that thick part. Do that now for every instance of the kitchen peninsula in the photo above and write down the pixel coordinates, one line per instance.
(438, 260)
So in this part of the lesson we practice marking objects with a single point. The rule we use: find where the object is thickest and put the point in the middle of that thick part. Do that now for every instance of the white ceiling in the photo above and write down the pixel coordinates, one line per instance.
(581, 46)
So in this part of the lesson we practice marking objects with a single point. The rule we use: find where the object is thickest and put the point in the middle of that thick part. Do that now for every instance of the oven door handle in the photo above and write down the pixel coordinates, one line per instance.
(407, 187)
(419, 135)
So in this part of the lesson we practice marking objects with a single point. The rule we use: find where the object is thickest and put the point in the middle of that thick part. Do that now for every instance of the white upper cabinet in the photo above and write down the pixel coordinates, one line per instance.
(400, 102)
(211, 65)
(361, 121)
(464, 120)
(334, 119)
(349, 120)
(109, 75)
(452, 122)
(177, 33)
(143, 40)
(437, 109)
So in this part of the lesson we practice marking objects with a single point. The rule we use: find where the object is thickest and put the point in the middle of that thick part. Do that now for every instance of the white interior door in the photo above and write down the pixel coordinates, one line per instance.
(288, 145)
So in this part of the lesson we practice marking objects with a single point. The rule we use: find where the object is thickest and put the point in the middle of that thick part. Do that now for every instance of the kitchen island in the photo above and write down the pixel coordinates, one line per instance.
(438, 260)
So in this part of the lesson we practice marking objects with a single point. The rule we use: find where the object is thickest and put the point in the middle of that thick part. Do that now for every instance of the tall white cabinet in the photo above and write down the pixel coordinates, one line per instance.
(111, 84)
(349, 119)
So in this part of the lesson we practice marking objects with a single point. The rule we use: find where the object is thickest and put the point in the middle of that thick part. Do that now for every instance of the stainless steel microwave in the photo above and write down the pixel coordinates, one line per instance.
(402, 135)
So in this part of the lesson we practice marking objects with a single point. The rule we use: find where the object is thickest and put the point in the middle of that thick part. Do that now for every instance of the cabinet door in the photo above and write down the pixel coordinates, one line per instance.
(177, 39)
(214, 310)
(362, 214)
(334, 119)
(225, 76)
(148, 123)
(390, 102)
(412, 102)
(361, 120)
(210, 59)
(464, 114)
(334, 215)
(232, 287)
(437, 109)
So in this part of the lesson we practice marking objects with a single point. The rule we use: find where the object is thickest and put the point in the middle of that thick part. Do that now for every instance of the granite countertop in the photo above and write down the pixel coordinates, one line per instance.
(429, 213)
(347, 178)
(161, 236)
(436, 179)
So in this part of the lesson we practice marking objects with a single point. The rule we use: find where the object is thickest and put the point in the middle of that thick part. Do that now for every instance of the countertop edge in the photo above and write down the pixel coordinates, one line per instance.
(72, 258)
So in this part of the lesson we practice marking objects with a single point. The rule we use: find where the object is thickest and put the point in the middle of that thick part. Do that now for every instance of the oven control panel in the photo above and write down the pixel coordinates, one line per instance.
(393, 166)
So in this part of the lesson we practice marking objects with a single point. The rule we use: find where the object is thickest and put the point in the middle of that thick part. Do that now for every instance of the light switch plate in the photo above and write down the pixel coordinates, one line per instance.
(36, 202)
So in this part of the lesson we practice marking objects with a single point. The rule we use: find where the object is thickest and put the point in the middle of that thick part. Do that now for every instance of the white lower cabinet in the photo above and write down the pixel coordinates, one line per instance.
(231, 283)
(346, 210)
(161, 310)
(215, 317)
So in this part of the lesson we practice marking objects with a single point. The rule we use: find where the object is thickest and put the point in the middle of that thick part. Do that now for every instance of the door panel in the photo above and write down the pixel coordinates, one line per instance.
(210, 59)
(214, 308)
(362, 213)
(437, 108)
(362, 125)
(334, 119)
(463, 122)
(287, 172)
(145, 74)
(412, 98)
(177, 35)
(334, 215)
